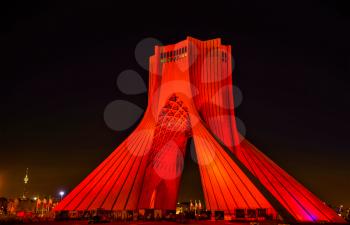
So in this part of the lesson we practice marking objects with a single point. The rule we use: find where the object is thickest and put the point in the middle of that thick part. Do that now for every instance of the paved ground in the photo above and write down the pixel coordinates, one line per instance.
(142, 223)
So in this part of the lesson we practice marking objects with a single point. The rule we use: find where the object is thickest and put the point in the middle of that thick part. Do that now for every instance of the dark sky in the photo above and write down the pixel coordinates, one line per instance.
(60, 61)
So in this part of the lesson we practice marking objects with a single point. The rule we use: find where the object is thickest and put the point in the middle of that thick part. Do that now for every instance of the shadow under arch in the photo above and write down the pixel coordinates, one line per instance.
(190, 184)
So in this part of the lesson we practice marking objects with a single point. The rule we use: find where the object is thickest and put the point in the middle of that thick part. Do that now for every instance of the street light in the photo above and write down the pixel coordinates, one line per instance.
(61, 194)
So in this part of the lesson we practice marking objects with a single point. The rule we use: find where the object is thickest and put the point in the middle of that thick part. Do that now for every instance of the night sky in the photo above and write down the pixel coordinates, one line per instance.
(60, 62)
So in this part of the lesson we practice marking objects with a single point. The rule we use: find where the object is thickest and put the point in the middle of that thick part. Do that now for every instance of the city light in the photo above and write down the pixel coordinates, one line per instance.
(61, 194)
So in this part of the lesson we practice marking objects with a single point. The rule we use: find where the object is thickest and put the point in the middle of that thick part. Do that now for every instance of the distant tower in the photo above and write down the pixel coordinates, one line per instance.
(26, 179)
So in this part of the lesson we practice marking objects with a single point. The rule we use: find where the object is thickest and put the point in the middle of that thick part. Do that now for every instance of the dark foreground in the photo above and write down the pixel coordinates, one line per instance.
(192, 222)
(139, 223)
(85, 222)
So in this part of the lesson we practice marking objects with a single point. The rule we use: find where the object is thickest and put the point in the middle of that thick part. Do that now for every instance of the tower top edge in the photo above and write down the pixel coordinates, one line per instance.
(188, 40)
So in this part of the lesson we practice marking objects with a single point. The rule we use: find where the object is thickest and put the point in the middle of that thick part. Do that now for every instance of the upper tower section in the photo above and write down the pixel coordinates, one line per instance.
(180, 50)
(201, 71)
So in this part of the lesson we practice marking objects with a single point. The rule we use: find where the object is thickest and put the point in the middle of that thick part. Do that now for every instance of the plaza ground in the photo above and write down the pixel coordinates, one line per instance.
(83, 222)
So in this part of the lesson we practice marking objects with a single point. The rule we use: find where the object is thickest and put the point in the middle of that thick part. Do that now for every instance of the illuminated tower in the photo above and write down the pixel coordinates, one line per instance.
(190, 96)
(26, 179)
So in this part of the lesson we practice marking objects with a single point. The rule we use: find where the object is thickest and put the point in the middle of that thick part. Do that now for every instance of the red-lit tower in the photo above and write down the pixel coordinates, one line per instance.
(190, 96)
